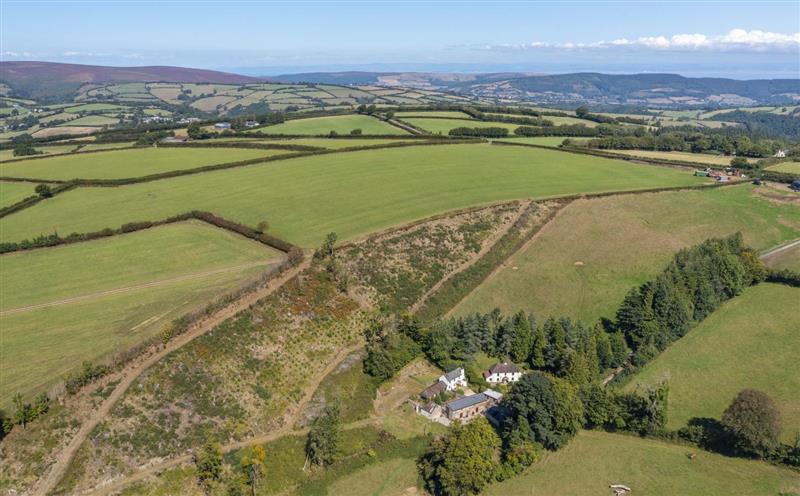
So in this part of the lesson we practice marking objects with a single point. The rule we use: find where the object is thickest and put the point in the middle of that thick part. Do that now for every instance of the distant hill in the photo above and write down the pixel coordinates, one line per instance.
(51, 80)
(659, 90)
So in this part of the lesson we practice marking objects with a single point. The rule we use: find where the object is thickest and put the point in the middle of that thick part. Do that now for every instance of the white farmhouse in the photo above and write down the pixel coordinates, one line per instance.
(502, 372)
(454, 379)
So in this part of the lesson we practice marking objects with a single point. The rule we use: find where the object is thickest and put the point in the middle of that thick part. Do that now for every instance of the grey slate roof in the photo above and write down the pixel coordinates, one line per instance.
(466, 402)
(504, 368)
(454, 374)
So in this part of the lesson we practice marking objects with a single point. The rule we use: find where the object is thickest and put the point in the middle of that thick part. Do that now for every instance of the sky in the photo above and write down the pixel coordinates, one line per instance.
(739, 39)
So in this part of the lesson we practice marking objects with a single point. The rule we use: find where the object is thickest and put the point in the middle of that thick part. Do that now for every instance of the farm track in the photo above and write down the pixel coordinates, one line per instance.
(492, 240)
(521, 249)
(286, 429)
(127, 289)
(779, 249)
(63, 459)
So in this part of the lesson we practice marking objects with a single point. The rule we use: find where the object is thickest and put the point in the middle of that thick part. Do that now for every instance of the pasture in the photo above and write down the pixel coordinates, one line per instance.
(558, 120)
(329, 143)
(12, 192)
(787, 259)
(750, 342)
(112, 292)
(127, 163)
(443, 126)
(551, 141)
(790, 167)
(700, 158)
(350, 193)
(594, 460)
(47, 150)
(92, 120)
(342, 124)
(584, 261)
(452, 114)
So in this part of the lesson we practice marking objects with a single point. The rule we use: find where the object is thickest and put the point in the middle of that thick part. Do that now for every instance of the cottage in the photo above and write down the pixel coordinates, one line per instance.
(454, 379)
(433, 391)
(222, 125)
(469, 407)
(251, 124)
(502, 373)
(780, 154)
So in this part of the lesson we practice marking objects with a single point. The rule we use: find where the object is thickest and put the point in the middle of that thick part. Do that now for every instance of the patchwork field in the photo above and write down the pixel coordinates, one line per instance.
(584, 262)
(12, 192)
(443, 126)
(330, 143)
(53, 301)
(433, 113)
(790, 167)
(349, 193)
(341, 124)
(700, 158)
(128, 163)
(750, 342)
(594, 460)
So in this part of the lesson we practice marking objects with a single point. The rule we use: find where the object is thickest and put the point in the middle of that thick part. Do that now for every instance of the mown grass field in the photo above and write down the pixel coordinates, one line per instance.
(791, 167)
(443, 126)
(594, 460)
(349, 193)
(120, 164)
(752, 341)
(11, 192)
(433, 113)
(190, 263)
(92, 120)
(700, 158)
(584, 261)
(342, 124)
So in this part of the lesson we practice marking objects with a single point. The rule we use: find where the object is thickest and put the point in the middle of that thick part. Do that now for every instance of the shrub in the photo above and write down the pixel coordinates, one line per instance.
(752, 422)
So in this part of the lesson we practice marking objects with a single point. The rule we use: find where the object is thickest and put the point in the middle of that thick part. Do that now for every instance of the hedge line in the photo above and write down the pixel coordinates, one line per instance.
(45, 155)
(464, 282)
(779, 177)
(241, 144)
(48, 240)
(33, 199)
(784, 276)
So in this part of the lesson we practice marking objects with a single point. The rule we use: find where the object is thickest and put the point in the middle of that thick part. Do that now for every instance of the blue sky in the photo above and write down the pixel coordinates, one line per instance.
(725, 38)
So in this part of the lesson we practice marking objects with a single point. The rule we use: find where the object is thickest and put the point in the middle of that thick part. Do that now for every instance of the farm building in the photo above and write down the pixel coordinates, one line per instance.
(502, 373)
(222, 125)
(433, 391)
(251, 124)
(454, 379)
(469, 407)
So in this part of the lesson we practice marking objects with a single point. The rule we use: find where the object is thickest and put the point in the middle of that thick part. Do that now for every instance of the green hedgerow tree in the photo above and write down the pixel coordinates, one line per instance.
(324, 437)
(463, 461)
(752, 422)
(43, 190)
(208, 461)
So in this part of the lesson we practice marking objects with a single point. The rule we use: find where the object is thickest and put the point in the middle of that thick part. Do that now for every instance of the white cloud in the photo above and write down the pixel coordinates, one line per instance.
(735, 39)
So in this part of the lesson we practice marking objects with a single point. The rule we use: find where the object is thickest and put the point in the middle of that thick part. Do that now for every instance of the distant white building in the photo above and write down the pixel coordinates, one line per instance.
(502, 373)
(251, 124)
(454, 379)
(222, 125)
(780, 154)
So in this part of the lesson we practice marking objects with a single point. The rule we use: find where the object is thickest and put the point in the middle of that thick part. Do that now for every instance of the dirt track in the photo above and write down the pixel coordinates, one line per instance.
(50, 480)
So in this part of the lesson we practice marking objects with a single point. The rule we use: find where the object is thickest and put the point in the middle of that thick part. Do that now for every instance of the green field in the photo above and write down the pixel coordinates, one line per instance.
(12, 192)
(443, 126)
(395, 477)
(49, 150)
(433, 113)
(583, 262)
(790, 167)
(330, 143)
(92, 120)
(552, 141)
(700, 158)
(128, 163)
(557, 120)
(95, 107)
(750, 342)
(594, 460)
(349, 193)
(111, 306)
(342, 124)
